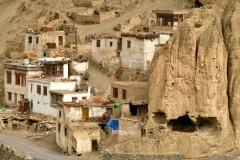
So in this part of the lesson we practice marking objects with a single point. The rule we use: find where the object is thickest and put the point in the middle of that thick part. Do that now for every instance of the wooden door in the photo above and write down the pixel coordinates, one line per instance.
(85, 113)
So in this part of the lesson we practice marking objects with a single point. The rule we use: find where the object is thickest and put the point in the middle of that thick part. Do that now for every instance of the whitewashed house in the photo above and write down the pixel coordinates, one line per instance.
(16, 81)
(54, 85)
(104, 49)
(42, 42)
(131, 51)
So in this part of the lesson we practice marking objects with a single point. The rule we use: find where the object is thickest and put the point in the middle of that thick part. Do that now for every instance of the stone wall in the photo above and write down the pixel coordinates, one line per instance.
(115, 156)
(7, 153)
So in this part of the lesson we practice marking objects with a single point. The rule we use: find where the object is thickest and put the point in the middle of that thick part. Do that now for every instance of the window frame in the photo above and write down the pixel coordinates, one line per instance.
(98, 43)
(29, 39)
(128, 44)
(124, 94)
(9, 77)
(115, 92)
(9, 96)
(39, 89)
(44, 90)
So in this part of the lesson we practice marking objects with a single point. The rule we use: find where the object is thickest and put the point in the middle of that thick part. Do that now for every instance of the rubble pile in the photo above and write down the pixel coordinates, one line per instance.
(47, 125)
(29, 54)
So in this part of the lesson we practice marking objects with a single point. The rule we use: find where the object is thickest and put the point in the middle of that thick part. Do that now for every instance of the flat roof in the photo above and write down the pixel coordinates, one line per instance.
(49, 79)
(84, 125)
(172, 11)
(20, 66)
(129, 83)
(62, 92)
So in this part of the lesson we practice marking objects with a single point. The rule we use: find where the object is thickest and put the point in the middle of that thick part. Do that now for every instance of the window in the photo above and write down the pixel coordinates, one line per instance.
(59, 127)
(31, 87)
(128, 44)
(98, 43)
(115, 92)
(111, 43)
(44, 91)
(84, 98)
(23, 80)
(36, 39)
(118, 54)
(38, 89)
(56, 97)
(17, 79)
(9, 96)
(74, 99)
(124, 94)
(59, 114)
(60, 40)
(53, 70)
(9, 77)
(21, 96)
(65, 131)
(30, 39)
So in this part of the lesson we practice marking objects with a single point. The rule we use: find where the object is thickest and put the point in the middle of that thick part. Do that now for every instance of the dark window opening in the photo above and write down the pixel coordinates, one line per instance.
(119, 44)
(36, 39)
(17, 79)
(60, 40)
(133, 110)
(30, 39)
(9, 77)
(38, 89)
(115, 92)
(59, 114)
(74, 99)
(44, 54)
(9, 96)
(94, 145)
(124, 94)
(111, 43)
(182, 124)
(128, 44)
(59, 127)
(98, 43)
(44, 91)
(65, 132)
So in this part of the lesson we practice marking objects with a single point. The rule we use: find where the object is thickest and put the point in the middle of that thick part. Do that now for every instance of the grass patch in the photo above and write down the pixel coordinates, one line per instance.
(16, 16)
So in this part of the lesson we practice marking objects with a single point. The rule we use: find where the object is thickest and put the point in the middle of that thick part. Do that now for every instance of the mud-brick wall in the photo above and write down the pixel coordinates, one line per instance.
(116, 156)
(7, 153)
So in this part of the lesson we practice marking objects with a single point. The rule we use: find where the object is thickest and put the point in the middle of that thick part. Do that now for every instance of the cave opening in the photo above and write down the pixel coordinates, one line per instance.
(198, 4)
(206, 123)
(182, 124)
(160, 117)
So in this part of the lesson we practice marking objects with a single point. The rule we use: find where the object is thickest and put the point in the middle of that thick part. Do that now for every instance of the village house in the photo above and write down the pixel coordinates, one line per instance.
(54, 85)
(16, 80)
(79, 125)
(133, 97)
(130, 51)
(44, 41)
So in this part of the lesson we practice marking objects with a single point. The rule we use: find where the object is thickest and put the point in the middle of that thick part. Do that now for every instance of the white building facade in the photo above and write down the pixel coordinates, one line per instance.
(16, 81)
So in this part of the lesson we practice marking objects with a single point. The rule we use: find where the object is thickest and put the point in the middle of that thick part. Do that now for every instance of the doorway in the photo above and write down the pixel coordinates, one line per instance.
(94, 145)
(85, 113)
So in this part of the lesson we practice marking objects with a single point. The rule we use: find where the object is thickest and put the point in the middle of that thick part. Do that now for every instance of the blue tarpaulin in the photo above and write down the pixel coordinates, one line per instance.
(113, 123)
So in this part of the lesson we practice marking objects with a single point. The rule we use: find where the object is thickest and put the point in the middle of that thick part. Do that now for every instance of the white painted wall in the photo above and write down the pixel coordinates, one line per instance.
(139, 54)
(105, 52)
(42, 104)
(79, 67)
(18, 89)
(163, 38)
(96, 111)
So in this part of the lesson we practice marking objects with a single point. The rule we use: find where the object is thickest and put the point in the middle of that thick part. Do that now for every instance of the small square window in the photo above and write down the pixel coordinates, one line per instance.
(30, 39)
(115, 92)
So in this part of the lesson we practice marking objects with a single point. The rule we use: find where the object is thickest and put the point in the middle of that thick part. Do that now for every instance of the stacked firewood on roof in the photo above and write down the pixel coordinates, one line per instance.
(59, 54)
(47, 29)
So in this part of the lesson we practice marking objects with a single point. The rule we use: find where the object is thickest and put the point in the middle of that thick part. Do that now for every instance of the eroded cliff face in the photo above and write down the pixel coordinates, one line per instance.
(195, 86)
